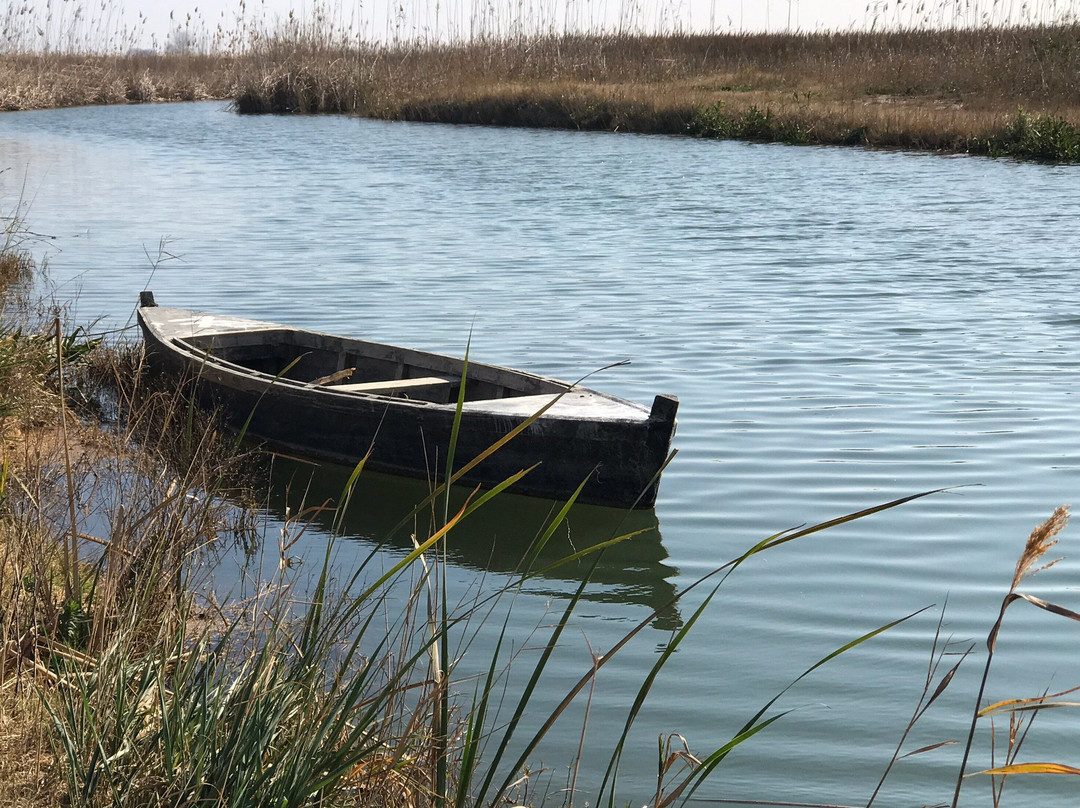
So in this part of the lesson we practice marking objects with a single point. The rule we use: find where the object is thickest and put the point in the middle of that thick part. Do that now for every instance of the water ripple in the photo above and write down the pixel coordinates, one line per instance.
(842, 327)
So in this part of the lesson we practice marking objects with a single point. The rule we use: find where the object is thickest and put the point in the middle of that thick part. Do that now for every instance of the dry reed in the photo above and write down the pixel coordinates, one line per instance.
(42, 81)
(99, 529)
(1004, 90)
(991, 91)
(1021, 712)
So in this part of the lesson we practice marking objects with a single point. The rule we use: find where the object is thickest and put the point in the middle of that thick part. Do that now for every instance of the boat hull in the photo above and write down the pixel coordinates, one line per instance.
(618, 458)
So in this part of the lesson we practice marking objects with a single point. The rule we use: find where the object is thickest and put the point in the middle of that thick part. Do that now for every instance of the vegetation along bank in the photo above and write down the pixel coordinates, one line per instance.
(1000, 91)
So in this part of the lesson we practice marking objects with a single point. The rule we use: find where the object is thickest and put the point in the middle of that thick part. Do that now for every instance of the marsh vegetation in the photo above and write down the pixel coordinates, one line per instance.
(996, 85)
(987, 91)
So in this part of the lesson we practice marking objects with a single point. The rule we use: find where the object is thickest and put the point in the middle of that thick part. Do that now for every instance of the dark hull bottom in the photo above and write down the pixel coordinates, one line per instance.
(619, 461)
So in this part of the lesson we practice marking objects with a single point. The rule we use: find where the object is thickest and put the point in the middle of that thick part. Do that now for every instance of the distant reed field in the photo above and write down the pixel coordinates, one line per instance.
(44, 81)
(996, 91)
(1000, 91)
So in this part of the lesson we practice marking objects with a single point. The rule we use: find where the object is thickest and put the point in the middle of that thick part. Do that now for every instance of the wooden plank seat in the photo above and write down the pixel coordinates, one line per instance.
(435, 389)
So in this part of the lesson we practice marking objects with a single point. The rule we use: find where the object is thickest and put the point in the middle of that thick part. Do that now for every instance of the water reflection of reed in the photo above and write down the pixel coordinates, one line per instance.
(496, 537)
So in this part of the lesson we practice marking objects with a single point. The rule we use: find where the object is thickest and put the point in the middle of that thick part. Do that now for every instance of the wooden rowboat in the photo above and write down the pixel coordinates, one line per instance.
(334, 398)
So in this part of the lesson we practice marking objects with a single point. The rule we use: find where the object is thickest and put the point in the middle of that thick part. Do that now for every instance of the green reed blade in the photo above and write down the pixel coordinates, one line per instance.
(247, 421)
(455, 428)
(526, 697)
(756, 723)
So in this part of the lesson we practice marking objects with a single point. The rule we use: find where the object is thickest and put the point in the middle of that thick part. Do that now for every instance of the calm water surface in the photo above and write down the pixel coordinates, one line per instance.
(843, 328)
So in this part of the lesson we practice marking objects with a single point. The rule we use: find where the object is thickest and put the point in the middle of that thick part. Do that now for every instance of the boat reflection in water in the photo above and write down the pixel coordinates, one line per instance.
(497, 536)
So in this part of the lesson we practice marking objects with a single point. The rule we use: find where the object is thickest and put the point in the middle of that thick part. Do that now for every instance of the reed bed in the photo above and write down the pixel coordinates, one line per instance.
(990, 91)
(999, 90)
(43, 81)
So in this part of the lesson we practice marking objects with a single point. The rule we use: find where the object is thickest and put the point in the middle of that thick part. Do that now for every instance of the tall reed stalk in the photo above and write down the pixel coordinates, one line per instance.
(1031, 561)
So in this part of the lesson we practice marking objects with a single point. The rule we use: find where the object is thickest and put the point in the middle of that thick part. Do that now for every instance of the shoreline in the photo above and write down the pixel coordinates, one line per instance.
(1000, 92)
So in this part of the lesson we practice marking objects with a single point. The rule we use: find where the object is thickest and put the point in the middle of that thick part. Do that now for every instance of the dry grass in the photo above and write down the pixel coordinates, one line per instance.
(28, 776)
(1042, 539)
(940, 90)
(14, 266)
(143, 519)
(950, 90)
(98, 529)
(1021, 712)
(27, 770)
(42, 81)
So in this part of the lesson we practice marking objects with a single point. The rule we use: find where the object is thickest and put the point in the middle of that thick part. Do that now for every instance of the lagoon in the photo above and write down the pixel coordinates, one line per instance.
(843, 327)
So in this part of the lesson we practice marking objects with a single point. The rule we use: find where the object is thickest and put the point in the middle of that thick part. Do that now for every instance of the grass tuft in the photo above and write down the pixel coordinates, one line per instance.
(753, 124)
(1038, 137)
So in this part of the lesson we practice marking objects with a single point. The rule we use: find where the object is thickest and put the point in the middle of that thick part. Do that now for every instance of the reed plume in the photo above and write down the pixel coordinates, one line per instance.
(1038, 544)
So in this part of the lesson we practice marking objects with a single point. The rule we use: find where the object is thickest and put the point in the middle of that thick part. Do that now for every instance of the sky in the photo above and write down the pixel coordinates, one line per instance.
(64, 24)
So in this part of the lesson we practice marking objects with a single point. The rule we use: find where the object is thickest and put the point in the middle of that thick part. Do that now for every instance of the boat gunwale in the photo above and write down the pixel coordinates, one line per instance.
(200, 357)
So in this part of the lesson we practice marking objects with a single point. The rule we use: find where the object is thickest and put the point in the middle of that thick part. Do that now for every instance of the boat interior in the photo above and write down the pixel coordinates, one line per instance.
(355, 366)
